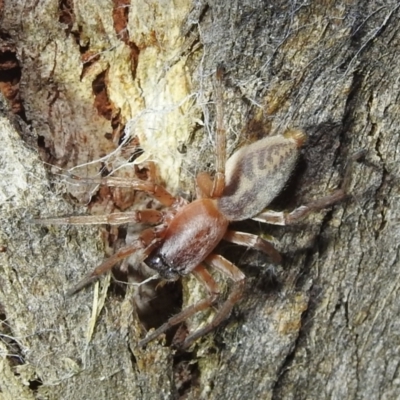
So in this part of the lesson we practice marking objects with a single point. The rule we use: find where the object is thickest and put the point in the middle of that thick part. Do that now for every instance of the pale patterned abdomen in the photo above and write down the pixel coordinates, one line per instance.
(255, 174)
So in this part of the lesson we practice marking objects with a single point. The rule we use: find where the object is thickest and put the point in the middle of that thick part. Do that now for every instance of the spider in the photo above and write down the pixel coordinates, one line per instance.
(181, 238)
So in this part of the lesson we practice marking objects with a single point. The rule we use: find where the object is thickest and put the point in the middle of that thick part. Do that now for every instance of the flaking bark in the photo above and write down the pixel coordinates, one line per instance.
(322, 326)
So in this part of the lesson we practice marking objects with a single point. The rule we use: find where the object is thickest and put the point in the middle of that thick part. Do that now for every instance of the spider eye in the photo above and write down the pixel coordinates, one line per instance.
(161, 265)
(157, 261)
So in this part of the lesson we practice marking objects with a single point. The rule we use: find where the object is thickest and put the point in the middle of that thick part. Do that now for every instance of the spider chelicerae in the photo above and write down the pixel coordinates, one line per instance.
(181, 238)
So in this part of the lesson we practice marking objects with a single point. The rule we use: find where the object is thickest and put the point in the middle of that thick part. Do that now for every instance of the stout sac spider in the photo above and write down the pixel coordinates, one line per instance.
(184, 235)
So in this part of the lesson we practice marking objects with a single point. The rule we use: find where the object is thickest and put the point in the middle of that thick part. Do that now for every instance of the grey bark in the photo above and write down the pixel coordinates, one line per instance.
(322, 326)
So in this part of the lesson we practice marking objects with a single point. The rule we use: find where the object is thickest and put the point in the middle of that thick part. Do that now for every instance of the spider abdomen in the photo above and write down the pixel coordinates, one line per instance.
(256, 173)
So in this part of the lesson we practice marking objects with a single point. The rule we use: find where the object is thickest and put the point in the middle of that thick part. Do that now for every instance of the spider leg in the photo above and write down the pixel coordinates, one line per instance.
(146, 241)
(204, 185)
(201, 273)
(208, 187)
(151, 170)
(220, 138)
(254, 241)
(152, 217)
(234, 273)
(150, 187)
(287, 218)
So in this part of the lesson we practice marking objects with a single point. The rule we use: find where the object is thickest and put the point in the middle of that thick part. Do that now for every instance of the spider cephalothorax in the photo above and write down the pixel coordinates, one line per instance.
(184, 235)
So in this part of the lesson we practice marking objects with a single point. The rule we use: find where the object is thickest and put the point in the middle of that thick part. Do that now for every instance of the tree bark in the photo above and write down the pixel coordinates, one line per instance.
(90, 80)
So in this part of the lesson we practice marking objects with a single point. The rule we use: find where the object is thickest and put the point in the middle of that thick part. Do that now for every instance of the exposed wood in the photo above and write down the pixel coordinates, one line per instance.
(77, 73)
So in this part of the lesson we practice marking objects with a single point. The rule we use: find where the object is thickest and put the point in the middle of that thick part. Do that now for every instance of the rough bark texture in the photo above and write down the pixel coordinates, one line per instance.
(77, 73)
